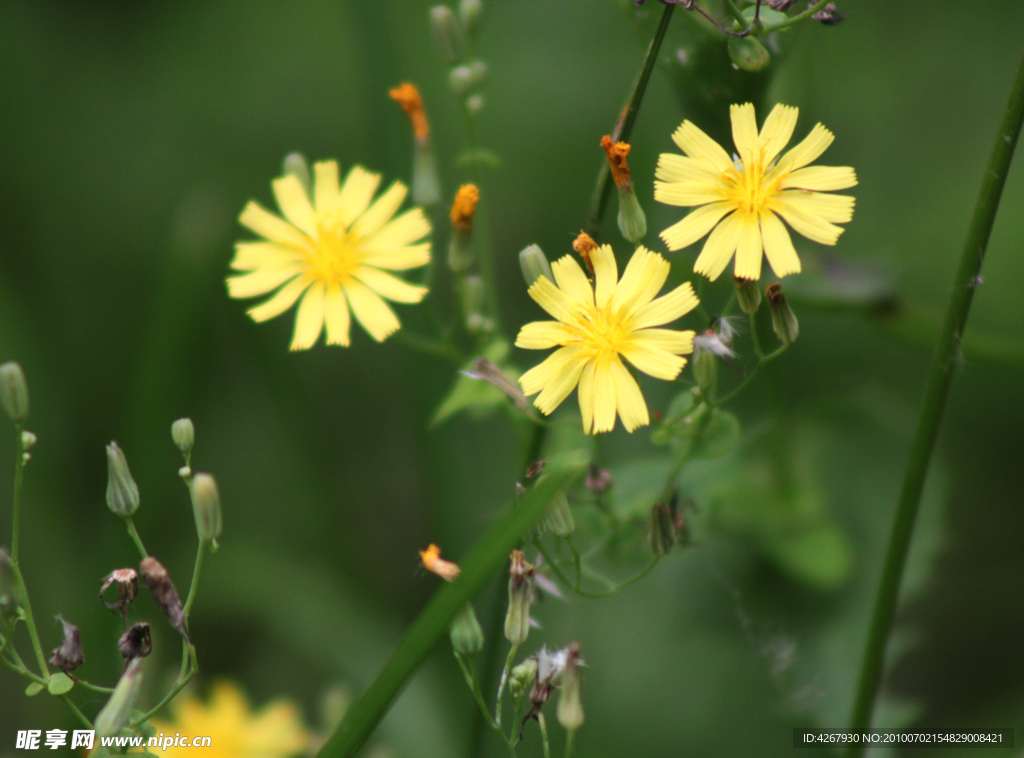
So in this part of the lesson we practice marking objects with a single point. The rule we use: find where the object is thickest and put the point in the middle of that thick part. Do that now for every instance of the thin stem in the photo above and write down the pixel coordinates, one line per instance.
(78, 714)
(612, 588)
(769, 28)
(200, 553)
(473, 682)
(943, 367)
(509, 660)
(133, 532)
(30, 622)
(570, 737)
(575, 561)
(19, 470)
(426, 345)
(544, 724)
(736, 13)
(750, 377)
(188, 655)
(754, 338)
(93, 687)
(602, 189)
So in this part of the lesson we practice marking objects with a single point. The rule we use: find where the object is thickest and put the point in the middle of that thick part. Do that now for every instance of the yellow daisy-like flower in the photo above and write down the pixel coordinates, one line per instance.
(334, 250)
(749, 194)
(598, 325)
(275, 731)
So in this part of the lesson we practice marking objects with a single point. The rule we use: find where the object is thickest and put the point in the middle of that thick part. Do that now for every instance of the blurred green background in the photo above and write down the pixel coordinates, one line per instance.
(132, 136)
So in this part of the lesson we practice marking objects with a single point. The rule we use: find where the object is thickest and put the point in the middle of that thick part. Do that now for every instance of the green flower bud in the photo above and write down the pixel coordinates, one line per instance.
(663, 532)
(632, 221)
(471, 295)
(783, 319)
(535, 265)
(522, 678)
(559, 516)
(467, 636)
(206, 507)
(184, 435)
(295, 164)
(9, 600)
(570, 707)
(28, 440)
(520, 586)
(447, 33)
(426, 187)
(14, 391)
(748, 295)
(469, 15)
(475, 103)
(460, 250)
(122, 491)
(705, 369)
(465, 79)
(114, 716)
(748, 54)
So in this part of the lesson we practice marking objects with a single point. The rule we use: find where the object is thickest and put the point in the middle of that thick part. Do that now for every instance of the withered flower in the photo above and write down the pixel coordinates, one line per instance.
(127, 582)
(162, 589)
(69, 655)
(136, 642)
(584, 245)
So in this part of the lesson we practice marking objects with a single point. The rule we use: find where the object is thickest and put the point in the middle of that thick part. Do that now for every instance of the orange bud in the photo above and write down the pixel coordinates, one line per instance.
(407, 96)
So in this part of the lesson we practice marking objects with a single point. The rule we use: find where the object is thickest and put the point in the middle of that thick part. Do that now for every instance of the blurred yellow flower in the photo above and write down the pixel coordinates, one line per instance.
(275, 731)
(754, 189)
(334, 251)
(599, 323)
(435, 564)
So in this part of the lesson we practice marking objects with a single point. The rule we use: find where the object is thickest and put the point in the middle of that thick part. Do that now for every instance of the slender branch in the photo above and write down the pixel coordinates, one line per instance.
(78, 714)
(736, 13)
(509, 660)
(19, 471)
(769, 28)
(188, 655)
(570, 737)
(943, 367)
(30, 622)
(93, 687)
(750, 377)
(544, 724)
(612, 588)
(602, 189)
(200, 553)
(473, 682)
(134, 534)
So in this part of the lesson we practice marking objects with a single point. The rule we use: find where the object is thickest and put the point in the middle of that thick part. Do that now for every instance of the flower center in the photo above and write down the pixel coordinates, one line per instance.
(750, 187)
(337, 253)
(603, 333)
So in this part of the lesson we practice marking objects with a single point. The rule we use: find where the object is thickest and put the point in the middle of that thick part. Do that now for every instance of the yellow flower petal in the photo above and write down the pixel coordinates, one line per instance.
(810, 225)
(606, 274)
(837, 209)
(670, 340)
(381, 211)
(604, 398)
(719, 247)
(336, 316)
(357, 192)
(744, 131)
(266, 224)
(282, 301)
(294, 203)
(540, 335)
(399, 258)
(696, 144)
(778, 247)
(678, 169)
(666, 308)
(552, 299)
(749, 250)
(654, 361)
(777, 131)
(545, 372)
(309, 321)
(585, 395)
(262, 280)
(699, 222)
(821, 178)
(643, 278)
(811, 148)
(390, 287)
(628, 398)
(410, 227)
(560, 385)
(572, 281)
(250, 256)
(325, 186)
(370, 311)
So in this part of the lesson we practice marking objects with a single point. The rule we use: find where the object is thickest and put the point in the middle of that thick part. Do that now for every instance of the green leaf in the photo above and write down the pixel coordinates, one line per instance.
(33, 689)
(767, 16)
(719, 437)
(476, 395)
(60, 683)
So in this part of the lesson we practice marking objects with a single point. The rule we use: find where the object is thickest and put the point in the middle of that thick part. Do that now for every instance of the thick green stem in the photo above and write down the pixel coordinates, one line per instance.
(433, 621)
(943, 367)
(134, 534)
(602, 189)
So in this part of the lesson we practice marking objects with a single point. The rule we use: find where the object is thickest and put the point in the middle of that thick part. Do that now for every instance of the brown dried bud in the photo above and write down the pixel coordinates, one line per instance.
(69, 655)
(584, 245)
(127, 583)
(534, 469)
(828, 15)
(162, 589)
(136, 642)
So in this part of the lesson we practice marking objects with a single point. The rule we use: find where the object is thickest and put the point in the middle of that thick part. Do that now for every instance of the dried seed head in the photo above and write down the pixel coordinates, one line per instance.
(127, 583)
(136, 642)
(617, 153)
(598, 479)
(829, 15)
(464, 206)
(158, 580)
(122, 491)
(69, 655)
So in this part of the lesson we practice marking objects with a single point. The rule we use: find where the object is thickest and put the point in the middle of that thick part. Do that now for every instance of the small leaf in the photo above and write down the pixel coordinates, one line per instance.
(60, 683)
(33, 689)
(767, 16)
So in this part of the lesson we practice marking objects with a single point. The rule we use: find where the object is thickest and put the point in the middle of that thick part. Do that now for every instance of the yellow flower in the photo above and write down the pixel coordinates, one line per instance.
(435, 564)
(754, 190)
(334, 251)
(599, 323)
(275, 731)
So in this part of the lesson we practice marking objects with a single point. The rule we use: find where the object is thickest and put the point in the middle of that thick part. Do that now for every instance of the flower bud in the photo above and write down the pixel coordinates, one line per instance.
(14, 391)
(705, 369)
(570, 707)
(426, 187)
(158, 580)
(522, 678)
(748, 295)
(632, 221)
(447, 34)
(206, 507)
(184, 435)
(748, 54)
(464, 79)
(9, 600)
(559, 516)
(535, 265)
(122, 491)
(467, 636)
(475, 103)
(471, 295)
(69, 655)
(295, 164)
(663, 532)
(783, 319)
(137, 642)
(469, 15)
(114, 715)
(460, 248)
(520, 586)
(28, 440)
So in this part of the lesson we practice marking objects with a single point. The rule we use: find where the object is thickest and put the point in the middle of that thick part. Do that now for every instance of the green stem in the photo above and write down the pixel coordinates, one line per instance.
(612, 588)
(200, 553)
(19, 470)
(769, 28)
(544, 724)
(736, 14)
(943, 367)
(754, 338)
(93, 687)
(78, 714)
(570, 737)
(509, 660)
(133, 532)
(188, 655)
(425, 345)
(602, 189)
(473, 682)
(433, 621)
(750, 377)
(30, 621)
(576, 563)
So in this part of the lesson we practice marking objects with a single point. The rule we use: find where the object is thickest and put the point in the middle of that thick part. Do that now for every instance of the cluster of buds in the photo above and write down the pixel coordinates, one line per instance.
(632, 221)
(451, 34)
